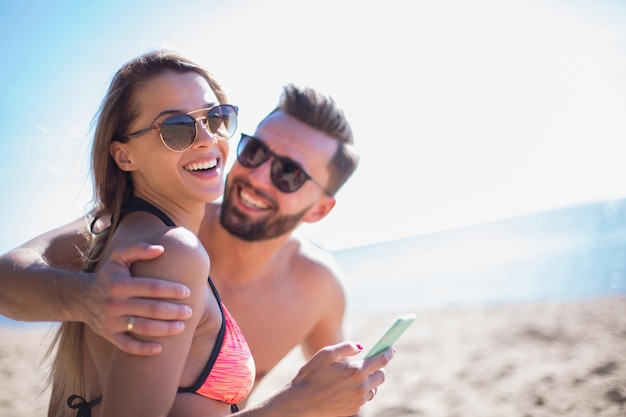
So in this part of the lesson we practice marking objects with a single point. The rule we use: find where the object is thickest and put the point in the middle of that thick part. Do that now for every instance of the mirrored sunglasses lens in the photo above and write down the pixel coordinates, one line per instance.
(222, 120)
(178, 132)
(287, 176)
(251, 152)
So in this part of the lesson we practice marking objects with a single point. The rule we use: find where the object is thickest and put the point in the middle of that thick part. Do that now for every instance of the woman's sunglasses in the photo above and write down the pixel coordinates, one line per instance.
(179, 132)
(286, 174)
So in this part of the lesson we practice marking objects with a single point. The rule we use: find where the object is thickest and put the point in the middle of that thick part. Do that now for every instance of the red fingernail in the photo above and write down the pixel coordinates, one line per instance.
(360, 346)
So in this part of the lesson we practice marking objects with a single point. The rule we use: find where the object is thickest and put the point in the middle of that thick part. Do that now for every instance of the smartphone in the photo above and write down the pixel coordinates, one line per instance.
(392, 334)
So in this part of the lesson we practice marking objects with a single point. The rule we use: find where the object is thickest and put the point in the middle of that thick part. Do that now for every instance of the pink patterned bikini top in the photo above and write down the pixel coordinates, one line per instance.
(229, 374)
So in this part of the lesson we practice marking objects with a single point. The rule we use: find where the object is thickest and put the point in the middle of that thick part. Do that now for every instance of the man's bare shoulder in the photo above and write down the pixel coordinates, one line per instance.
(312, 260)
(322, 276)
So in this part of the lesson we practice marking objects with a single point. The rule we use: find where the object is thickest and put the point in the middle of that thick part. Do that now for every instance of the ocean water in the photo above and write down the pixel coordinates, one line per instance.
(574, 253)
(568, 254)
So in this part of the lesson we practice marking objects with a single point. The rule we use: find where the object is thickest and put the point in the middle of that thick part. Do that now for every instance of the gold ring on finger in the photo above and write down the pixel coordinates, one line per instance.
(131, 324)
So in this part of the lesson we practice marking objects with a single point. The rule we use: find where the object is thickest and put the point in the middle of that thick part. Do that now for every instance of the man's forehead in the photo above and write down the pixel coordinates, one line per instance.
(281, 124)
(281, 127)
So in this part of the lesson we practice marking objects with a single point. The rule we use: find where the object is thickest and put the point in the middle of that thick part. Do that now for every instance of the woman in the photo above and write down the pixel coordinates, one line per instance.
(158, 156)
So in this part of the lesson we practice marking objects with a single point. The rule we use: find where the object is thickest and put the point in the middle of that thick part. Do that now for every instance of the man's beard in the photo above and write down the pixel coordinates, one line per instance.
(238, 224)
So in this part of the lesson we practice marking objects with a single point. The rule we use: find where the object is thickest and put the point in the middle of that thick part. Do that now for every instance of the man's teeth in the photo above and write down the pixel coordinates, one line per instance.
(201, 166)
(252, 201)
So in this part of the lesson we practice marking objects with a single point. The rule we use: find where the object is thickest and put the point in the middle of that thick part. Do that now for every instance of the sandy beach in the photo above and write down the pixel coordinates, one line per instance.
(518, 360)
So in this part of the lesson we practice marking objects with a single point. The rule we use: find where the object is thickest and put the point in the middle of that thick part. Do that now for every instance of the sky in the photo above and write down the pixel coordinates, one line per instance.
(463, 112)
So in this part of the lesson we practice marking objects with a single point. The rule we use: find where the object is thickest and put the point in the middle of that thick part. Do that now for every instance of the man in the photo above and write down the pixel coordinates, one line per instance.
(281, 290)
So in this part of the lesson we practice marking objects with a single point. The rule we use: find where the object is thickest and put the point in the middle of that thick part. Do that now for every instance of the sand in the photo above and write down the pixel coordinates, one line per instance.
(522, 360)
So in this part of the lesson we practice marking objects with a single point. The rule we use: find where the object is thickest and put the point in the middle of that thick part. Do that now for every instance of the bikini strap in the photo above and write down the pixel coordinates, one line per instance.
(83, 406)
(139, 204)
(217, 347)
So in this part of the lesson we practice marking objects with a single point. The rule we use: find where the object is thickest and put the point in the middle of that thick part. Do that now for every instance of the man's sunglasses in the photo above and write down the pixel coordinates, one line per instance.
(179, 132)
(286, 174)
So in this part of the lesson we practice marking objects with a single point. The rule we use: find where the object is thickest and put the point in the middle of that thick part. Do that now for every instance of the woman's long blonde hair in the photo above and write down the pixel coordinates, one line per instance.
(112, 190)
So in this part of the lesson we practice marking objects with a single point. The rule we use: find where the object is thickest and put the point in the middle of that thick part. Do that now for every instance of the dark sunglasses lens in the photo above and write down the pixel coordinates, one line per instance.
(178, 132)
(251, 152)
(222, 120)
(287, 176)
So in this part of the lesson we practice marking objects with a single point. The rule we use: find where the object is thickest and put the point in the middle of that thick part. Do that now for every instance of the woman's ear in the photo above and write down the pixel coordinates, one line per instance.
(120, 155)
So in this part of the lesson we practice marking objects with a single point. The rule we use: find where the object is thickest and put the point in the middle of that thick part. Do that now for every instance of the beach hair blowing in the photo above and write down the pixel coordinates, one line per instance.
(320, 112)
(113, 189)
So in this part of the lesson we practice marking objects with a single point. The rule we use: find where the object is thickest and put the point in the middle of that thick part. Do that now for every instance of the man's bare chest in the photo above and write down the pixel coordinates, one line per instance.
(273, 322)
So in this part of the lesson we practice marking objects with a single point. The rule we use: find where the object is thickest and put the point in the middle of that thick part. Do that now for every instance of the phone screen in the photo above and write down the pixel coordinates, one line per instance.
(392, 334)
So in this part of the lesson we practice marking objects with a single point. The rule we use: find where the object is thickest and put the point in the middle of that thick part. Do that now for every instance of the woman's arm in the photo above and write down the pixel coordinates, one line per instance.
(147, 386)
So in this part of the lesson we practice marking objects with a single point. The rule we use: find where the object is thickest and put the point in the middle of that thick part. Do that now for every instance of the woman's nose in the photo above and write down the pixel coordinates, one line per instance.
(204, 134)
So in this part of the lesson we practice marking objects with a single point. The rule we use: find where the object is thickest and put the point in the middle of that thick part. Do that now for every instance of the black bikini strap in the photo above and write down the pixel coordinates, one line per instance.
(83, 406)
(216, 294)
(217, 347)
(138, 204)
